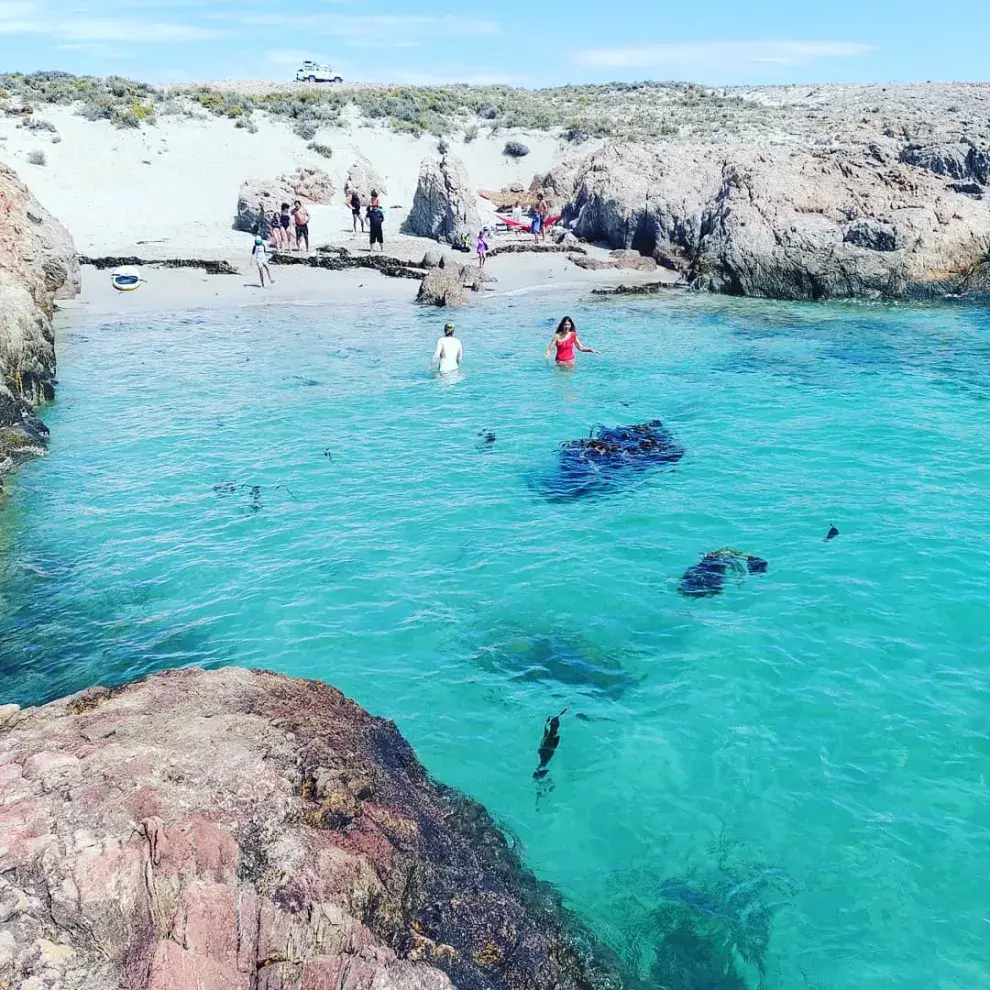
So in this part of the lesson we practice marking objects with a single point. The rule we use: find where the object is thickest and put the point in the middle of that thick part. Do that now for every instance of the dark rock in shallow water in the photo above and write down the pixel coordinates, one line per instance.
(257, 830)
(707, 577)
(600, 462)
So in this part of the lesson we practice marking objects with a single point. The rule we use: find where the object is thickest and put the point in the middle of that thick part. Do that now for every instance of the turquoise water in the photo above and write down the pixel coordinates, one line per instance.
(785, 783)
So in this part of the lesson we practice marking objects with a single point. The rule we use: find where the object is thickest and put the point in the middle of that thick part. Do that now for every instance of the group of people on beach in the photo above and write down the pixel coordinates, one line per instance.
(373, 213)
(288, 227)
(449, 352)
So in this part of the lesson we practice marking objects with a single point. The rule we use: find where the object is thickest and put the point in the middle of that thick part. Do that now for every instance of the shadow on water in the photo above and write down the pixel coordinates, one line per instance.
(54, 633)
(707, 930)
(814, 354)
(568, 661)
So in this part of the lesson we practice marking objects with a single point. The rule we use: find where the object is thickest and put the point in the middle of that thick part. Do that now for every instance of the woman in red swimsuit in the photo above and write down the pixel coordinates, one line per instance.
(565, 340)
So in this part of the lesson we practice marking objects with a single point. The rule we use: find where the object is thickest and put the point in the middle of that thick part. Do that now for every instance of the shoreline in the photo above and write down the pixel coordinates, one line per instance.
(174, 288)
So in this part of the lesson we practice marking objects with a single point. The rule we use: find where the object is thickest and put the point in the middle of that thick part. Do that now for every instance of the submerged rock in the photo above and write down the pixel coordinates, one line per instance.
(237, 829)
(599, 462)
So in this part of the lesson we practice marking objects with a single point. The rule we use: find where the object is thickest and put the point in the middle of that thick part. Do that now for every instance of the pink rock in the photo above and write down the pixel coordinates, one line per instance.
(176, 968)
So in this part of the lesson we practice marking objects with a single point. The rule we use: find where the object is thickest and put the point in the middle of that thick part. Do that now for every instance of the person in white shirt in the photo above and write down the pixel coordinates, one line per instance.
(260, 254)
(449, 352)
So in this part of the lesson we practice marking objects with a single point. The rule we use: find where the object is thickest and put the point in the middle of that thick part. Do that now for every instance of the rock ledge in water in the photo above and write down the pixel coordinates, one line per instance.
(233, 829)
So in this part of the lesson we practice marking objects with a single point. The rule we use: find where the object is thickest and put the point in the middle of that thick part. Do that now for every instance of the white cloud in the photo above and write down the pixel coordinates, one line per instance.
(724, 56)
(161, 32)
(386, 30)
(26, 17)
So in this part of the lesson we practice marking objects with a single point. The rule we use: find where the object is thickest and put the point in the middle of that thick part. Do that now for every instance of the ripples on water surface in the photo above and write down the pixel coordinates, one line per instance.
(788, 779)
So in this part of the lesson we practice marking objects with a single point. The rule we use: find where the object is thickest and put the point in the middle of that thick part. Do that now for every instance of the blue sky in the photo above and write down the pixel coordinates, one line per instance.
(520, 43)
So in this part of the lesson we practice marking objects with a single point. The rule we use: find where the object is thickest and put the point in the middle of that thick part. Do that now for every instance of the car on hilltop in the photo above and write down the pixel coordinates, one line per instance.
(315, 72)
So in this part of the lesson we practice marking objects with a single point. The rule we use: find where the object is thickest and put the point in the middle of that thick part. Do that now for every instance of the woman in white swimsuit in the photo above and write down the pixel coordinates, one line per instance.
(449, 352)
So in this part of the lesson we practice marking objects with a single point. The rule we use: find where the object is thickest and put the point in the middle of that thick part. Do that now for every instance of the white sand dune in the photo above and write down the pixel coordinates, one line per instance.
(170, 190)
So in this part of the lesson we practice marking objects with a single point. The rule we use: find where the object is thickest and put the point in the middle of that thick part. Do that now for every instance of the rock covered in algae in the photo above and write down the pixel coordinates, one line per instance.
(237, 829)
(708, 576)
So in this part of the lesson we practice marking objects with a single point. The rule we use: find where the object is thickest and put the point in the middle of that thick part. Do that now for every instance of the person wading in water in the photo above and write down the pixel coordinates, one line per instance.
(565, 339)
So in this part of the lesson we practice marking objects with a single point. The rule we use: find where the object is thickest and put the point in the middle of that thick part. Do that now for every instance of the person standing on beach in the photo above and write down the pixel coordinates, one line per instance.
(300, 217)
(259, 254)
(482, 248)
(356, 211)
(540, 212)
(286, 219)
(277, 239)
(449, 352)
(376, 218)
(565, 339)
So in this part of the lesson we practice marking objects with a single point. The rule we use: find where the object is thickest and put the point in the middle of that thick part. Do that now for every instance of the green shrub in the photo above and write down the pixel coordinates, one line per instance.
(515, 149)
(321, 149)
(37, 158)
(125, 119)
(304, 129)
(235, 111)
(470, 133)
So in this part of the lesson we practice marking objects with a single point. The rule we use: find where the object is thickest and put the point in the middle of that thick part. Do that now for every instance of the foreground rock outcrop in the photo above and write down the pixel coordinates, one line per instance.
(790, 223)
(445, 284)
(258, 199)
(37, 266)
(234, 829)
(445, 205)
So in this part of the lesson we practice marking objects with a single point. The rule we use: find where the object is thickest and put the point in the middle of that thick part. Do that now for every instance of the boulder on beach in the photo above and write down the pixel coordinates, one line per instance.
(258, 199)
(205, 830)
(445, 204)
(442, 287)
(39, 266)
(362, 178)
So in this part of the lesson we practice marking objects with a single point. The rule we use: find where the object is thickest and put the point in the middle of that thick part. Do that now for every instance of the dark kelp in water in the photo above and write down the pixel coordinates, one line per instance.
(251, 492)
(708, 576)
(831, 534)
(600, 462)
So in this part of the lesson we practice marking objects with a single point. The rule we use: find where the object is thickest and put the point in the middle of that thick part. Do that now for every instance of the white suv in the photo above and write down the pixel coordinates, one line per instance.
(314, 72)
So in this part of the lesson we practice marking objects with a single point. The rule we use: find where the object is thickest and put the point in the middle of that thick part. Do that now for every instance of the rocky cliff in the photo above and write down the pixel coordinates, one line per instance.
(860, 221)
(236, 829)
(37, 266)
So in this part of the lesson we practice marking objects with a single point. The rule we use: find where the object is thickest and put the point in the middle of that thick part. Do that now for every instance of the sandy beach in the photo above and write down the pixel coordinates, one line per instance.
(170, 191)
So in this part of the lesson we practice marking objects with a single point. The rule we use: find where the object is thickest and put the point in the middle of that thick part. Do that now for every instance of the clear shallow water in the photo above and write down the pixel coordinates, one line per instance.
(795, 769)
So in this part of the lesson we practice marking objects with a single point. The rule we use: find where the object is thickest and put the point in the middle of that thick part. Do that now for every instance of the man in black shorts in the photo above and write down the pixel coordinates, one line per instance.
(376, 217)
(300, 217)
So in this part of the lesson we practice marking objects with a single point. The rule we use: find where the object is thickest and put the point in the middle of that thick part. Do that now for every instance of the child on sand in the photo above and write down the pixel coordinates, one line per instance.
(260, 255)
(482, 248)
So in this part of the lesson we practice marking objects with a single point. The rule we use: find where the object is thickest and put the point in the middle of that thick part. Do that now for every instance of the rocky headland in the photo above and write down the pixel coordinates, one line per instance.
(38, 265)
(239, 829)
